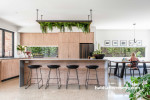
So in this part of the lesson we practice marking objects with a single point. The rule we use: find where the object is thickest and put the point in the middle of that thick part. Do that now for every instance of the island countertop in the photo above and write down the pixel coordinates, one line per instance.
(62, 59)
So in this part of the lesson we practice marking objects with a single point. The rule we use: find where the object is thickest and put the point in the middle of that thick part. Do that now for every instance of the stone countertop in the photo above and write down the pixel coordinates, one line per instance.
(9, 58)
(63, 59)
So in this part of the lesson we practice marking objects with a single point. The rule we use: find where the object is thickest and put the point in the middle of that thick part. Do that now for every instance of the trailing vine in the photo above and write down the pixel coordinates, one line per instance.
(84, 26)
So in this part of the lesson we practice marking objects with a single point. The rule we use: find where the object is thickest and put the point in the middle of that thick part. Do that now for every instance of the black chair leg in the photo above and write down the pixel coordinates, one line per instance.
(125, 73)
(133, 73)
(109, 72)
(130, 72)
(139, 72)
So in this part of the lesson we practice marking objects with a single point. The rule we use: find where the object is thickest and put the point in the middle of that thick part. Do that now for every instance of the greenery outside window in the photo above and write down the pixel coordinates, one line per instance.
(43, 51)
(123, 51)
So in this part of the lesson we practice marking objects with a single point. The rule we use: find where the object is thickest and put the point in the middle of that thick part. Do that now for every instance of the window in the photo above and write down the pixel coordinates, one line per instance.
(123, 51)
(6, 43)
(43, 51)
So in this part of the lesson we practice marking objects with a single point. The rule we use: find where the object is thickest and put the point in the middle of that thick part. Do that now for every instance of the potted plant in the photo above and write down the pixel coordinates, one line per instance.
(98, 53)
(139, 87)
(21, 50)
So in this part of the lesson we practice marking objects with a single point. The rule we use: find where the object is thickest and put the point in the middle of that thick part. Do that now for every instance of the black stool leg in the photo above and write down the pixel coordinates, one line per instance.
(47, 83)
(41, 76)
(97, 78)
(86, 78)
(77, 78)
(29, 79)
(68, 74)
(59, 78)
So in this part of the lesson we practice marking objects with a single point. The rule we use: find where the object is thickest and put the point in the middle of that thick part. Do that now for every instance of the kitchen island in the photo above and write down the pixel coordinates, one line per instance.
(102, 70)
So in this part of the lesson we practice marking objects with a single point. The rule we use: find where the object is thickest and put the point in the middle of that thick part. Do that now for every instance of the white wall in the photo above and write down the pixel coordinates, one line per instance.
(11, 27)
(144, 35)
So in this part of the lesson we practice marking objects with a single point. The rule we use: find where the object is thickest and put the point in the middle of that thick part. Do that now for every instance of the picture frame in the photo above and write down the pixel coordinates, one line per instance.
(139, 43)
(115, 43)
(107, 43)
(131, 42)
(123, 42)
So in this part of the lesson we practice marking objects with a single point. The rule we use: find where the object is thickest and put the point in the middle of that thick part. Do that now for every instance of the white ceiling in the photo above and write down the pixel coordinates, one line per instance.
(107, 14)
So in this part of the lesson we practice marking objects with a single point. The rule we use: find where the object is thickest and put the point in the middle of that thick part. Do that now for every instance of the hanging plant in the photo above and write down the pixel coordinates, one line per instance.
(84, 26)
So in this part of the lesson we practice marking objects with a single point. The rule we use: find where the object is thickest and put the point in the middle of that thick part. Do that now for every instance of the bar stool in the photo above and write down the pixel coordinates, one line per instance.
(58, 76)
(89, 67)
(31, 67)
(68, 74)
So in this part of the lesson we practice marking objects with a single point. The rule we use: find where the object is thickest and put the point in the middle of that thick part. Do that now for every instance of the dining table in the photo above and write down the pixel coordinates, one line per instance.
(124, 66)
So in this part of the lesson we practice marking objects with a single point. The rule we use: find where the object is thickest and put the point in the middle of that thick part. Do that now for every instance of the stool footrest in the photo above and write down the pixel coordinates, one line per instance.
(91, 79)
(72, 79)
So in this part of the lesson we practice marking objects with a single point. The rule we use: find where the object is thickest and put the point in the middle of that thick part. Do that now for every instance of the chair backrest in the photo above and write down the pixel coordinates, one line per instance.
(134, 63)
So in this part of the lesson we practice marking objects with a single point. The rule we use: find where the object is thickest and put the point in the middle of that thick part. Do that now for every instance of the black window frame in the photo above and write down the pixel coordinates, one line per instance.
(3, 43)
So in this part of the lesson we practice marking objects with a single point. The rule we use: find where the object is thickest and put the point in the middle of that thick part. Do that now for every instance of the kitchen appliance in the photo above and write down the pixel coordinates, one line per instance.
(86, 50)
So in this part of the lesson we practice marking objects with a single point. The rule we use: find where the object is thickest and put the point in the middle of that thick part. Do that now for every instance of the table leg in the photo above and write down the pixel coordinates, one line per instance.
(21, 76)
(145, 68)
(122, 70)
(115, 71)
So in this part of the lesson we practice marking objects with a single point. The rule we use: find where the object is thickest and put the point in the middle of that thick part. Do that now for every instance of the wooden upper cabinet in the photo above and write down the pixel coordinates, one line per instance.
(90, 37)
(63, 37)
(73, 37)
(39, 39)
(87, 38)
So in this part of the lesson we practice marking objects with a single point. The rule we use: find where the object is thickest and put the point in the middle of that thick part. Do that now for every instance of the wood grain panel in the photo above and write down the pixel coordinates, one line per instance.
(82, 38)
(9, 68)
(63, 37)
(39, 39)
(63, 50)
(90, 38)
(73, 37)
(73, 50)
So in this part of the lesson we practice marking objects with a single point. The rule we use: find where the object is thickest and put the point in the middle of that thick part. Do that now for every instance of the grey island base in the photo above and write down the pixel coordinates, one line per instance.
(102, 70)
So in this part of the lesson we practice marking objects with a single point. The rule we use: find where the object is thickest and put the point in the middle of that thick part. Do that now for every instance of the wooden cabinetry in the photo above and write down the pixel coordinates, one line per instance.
(69, 43)
(9, 68)
(87, 38)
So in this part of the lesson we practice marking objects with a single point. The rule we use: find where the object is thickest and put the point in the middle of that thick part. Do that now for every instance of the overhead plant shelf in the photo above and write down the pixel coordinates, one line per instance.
(83, 25)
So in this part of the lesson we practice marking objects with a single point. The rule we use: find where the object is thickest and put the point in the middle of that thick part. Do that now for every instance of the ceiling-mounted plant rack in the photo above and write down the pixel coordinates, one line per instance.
(84, 25)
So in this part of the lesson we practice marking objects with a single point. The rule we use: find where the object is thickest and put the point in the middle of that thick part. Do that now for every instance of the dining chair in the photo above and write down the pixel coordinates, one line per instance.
(110, 67)
(136, 67)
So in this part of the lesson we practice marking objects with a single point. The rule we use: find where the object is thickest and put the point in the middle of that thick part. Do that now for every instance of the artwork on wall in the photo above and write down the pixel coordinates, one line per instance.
(115, 43)
(107, 42)
(131, 42)
(139, 43)
(123, 43)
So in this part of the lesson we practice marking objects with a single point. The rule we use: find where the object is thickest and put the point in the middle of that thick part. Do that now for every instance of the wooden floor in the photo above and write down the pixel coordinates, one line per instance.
(10, 90)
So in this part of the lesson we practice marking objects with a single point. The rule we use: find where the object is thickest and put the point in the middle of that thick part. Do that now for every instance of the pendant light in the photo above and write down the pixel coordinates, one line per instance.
(134, 32)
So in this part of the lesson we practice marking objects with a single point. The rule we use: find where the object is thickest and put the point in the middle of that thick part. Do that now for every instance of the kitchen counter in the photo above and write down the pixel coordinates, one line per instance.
(102, 70)
(61, 59)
